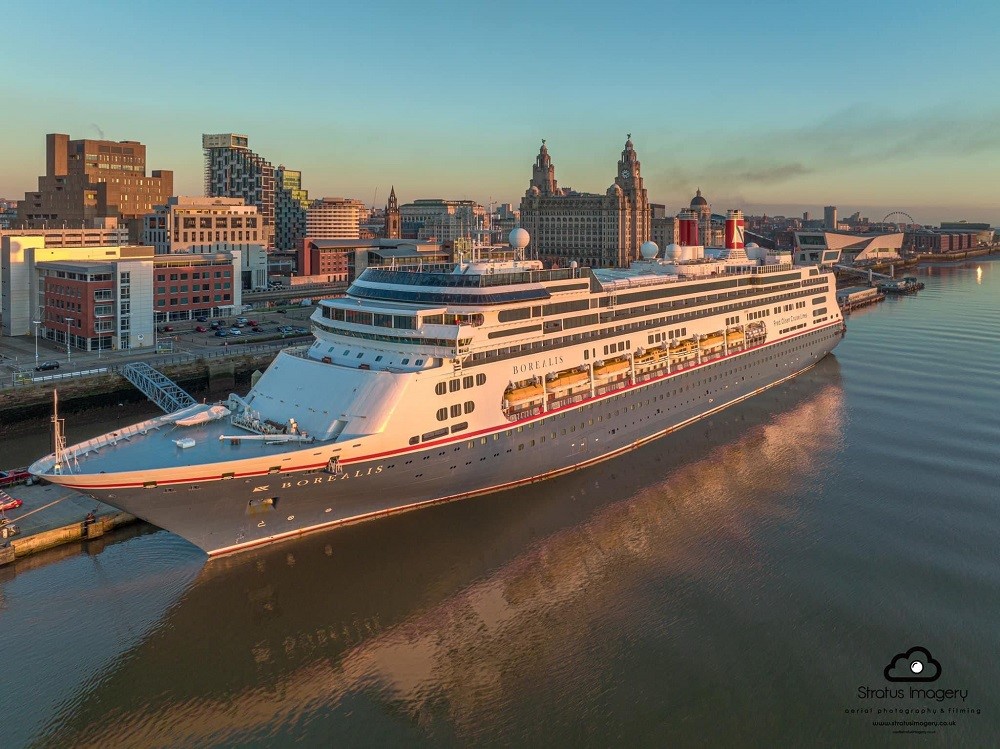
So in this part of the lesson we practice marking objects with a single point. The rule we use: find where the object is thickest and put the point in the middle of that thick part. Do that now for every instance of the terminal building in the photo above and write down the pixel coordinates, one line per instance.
(827, 248)
(109, 297)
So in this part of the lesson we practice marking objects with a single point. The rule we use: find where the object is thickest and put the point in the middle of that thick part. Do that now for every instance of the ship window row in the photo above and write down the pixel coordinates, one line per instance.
(400, 322)
(671, 335)
(444, 342)
(433, 297)
(456, 384)
(455, 410)
(448, 279)
(794, 327)
(631, 311)
(377, 319)
(616, 347)
(480, 357)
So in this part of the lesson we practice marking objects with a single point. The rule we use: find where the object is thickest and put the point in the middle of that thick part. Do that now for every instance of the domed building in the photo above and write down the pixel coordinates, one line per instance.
(701, 207)
(597, 230)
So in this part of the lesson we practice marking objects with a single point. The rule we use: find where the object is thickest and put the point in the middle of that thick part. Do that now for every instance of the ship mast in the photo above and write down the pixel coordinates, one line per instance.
(58, 438)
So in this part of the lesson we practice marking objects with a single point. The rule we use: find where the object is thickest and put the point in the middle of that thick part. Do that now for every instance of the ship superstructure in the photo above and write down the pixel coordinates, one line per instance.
(435, 383)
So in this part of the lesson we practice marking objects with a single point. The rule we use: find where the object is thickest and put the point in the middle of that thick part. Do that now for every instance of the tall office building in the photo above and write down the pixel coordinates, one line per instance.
(592, 229)
(290, 205)
(88, 180)
(335, 218)
(830, 217)
(232, 170)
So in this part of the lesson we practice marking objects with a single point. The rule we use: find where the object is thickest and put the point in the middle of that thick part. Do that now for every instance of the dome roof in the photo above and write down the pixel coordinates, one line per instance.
(519, 238)
(698, 201)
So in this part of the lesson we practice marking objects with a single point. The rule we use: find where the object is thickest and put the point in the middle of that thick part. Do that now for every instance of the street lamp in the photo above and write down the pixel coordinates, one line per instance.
(69, 354)
(36, 323)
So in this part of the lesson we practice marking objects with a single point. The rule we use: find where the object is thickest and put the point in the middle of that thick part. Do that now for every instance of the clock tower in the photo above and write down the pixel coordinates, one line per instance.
(633, 205)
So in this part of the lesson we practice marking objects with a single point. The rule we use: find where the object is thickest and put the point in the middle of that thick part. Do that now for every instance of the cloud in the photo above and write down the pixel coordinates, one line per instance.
(916, 664)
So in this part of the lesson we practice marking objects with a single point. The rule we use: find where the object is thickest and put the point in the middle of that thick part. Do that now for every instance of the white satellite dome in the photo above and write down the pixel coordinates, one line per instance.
(751, 246)
(649, 250)
(574, 264)
(519, 238)
(672, 251)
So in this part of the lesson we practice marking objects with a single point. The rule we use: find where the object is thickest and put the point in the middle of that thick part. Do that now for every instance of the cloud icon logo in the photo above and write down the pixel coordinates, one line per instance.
(916, 664)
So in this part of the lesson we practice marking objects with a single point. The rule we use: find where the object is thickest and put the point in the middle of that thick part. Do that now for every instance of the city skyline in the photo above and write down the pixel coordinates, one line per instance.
(446, 103)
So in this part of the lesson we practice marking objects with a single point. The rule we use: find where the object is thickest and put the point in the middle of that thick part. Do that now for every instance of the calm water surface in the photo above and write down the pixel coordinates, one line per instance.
(734, 584)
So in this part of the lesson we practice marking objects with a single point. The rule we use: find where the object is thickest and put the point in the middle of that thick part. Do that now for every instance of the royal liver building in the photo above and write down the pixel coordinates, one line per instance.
(593, 229)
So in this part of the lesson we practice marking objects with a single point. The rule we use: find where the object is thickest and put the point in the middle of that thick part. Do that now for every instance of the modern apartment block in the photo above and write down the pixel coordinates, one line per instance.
(335, 218)
(290, 205)
(88, 179)
(232, 170)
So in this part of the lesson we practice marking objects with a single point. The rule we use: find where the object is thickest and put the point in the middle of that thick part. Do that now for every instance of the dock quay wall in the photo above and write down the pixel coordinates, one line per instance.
(198, 377)
(44, 540)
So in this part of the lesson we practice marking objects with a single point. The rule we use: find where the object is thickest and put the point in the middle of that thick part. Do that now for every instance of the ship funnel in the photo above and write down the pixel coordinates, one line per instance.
(734, 230)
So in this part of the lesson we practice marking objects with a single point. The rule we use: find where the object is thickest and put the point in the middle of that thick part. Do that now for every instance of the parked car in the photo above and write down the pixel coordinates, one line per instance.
(167, 329)
(257, 329)
(235, 331)
(202, 319)
(282, 311)
(200, 329)
(242, 320)
(46, 366)
(306, 303)
(7, 478)
(221, 333)
(252, 323)
(9, 503)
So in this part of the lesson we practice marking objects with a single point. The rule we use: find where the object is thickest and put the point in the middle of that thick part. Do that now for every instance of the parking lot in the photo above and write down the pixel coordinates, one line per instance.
(249, 327)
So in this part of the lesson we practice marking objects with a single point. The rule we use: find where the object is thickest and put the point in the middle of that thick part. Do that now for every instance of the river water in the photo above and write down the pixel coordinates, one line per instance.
(744, 582)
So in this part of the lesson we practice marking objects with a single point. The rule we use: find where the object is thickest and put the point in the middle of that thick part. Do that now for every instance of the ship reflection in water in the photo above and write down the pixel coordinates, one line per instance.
(505, 618)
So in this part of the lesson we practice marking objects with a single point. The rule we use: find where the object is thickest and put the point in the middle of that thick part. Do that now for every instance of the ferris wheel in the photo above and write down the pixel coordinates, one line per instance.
(896, 219)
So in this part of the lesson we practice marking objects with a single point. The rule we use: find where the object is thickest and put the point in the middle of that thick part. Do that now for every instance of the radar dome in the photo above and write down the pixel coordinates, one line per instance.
(574, 264)
(751, 246)
(672, 251)
(649, 250)
(519, 238)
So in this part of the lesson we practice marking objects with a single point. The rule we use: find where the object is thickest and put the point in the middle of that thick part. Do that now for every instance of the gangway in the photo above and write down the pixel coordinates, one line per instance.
(865, 272)
(156, 386)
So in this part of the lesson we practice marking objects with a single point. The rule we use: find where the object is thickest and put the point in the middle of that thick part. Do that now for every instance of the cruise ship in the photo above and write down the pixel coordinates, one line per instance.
(431, 384)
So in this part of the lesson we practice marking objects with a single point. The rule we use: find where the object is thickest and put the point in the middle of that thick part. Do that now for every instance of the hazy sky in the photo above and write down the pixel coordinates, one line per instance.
(776, 106)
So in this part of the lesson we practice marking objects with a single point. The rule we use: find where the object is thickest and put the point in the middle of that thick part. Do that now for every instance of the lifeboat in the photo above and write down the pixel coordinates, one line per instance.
(651, 356)
(712, 341)
(516, 394)
(734, 337)
(681, 349)
(608, 368)
(565, 379)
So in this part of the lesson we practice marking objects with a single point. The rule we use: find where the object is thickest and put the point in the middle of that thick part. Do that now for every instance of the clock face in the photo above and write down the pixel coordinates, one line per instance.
(626, 173)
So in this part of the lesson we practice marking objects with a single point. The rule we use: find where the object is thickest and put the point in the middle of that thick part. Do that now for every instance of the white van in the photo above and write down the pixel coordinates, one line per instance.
(306, 303)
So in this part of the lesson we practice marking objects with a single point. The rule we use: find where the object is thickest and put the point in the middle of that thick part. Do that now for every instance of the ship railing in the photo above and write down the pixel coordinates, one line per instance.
(81, 449)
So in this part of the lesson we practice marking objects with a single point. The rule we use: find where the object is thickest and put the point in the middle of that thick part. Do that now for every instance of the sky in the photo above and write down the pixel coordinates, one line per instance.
(776, 107)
